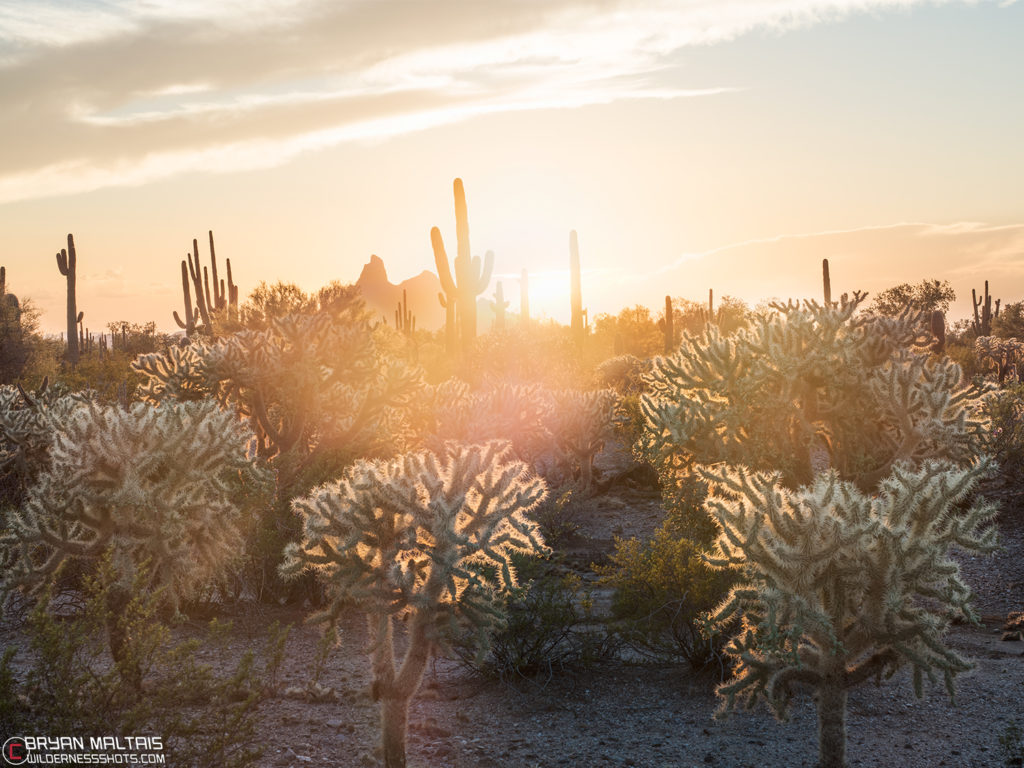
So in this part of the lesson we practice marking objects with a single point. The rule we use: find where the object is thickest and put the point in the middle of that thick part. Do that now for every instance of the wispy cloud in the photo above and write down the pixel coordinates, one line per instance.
(123, 92)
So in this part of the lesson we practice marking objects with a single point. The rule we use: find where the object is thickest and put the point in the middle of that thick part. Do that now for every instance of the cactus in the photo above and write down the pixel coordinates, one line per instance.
(158, 484)
(842, 586)
(470, 277)
(937, 325)
(451, 331)
(405, 321)
(498, 306)
(667, 325)
(579, 314)
(218, 299)
(580, 423)
(826, 282)
(14, 351)
(983, 320)
(524, 299)
(67, 261)
(1005, 355)
(422, 538)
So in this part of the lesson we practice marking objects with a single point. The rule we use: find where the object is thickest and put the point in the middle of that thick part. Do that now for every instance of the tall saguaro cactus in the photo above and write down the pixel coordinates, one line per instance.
(983, 321)
(67, 260)
(524, 299)
(499, 305)
(471, 276)
(579, 314)
(826, 282)
(668, 326)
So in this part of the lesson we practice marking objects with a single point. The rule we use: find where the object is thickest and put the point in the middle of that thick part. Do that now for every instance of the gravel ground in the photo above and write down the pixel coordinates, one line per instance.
(635, 715)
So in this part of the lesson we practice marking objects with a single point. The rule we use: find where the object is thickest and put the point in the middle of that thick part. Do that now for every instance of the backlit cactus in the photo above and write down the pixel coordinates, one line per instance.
(67, 263)
(470, 277)
(424, 538)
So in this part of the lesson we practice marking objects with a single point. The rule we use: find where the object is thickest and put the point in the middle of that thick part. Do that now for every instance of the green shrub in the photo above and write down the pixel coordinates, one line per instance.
(549, 626)
(72, 688)
(662, 590)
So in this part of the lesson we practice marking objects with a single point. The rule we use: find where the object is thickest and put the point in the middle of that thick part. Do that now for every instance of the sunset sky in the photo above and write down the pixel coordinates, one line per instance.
(692, 144)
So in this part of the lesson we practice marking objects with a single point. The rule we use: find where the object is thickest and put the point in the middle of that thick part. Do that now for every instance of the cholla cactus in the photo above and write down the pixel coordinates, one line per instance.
(844, 586)
(157, 484)
(516, 413)
(1003, 354)
(426, 538)
(28, 424)
(805, 388)
(581, 422)
(307, 382)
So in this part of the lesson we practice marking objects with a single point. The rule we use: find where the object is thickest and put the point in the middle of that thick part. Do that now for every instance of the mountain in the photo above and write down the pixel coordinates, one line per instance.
(382, 296)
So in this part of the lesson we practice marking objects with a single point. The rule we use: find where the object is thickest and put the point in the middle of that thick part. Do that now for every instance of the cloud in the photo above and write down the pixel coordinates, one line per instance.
(124, 92)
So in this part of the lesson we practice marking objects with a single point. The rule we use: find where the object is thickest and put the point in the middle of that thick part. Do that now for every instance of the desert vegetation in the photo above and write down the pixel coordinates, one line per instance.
(819, 470)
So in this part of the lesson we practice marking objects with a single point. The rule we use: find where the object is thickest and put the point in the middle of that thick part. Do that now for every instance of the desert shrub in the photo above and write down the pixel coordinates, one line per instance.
(1011, 744)
(663, 589)
(549, 626)
(1004, 441)
(69, 686)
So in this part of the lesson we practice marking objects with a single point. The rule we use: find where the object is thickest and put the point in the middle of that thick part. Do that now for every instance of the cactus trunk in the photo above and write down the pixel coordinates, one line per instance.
(827, 282)
(66, 263)
(669, 328)
(576, 298)
(524, 299)
(471, 276)
(831, 725)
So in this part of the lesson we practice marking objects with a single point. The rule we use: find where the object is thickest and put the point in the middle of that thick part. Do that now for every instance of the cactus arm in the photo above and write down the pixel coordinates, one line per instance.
(484, 277)
(218, 295)
(444, 272)
(461, 224)
(197, 283)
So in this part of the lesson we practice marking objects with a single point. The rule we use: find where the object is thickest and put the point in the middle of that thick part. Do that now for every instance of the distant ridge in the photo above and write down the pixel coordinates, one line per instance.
(382, 296)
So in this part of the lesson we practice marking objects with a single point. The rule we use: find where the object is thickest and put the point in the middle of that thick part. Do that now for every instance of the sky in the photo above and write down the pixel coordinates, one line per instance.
(693, 144)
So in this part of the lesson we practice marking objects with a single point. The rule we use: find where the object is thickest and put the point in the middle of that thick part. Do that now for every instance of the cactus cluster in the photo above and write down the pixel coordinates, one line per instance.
(426, 538)
(1004, 356)
(809, 386)
(148, 484)
(568, 427)
(218, 301)
(983, 312)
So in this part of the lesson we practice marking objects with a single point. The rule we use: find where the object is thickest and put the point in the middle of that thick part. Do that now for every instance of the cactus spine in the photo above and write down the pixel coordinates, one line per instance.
(67, 260)
(499, 305)
(470, 278)
(579, 314)
(524, 299)
(983, 322)
(826, 282)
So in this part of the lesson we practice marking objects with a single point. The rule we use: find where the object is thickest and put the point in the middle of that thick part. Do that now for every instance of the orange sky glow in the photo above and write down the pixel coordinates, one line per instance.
(692, 145)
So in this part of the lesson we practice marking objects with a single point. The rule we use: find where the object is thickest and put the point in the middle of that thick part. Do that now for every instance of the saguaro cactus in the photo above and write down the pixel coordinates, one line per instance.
(426, 538)
(499, 305)
(983, 320)
(211, 300)
(668, 326)
(451, 331)
(405, 321)
(524, 299)
(67, 260)
(826, 282)
(471, 277)
(579, 314)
